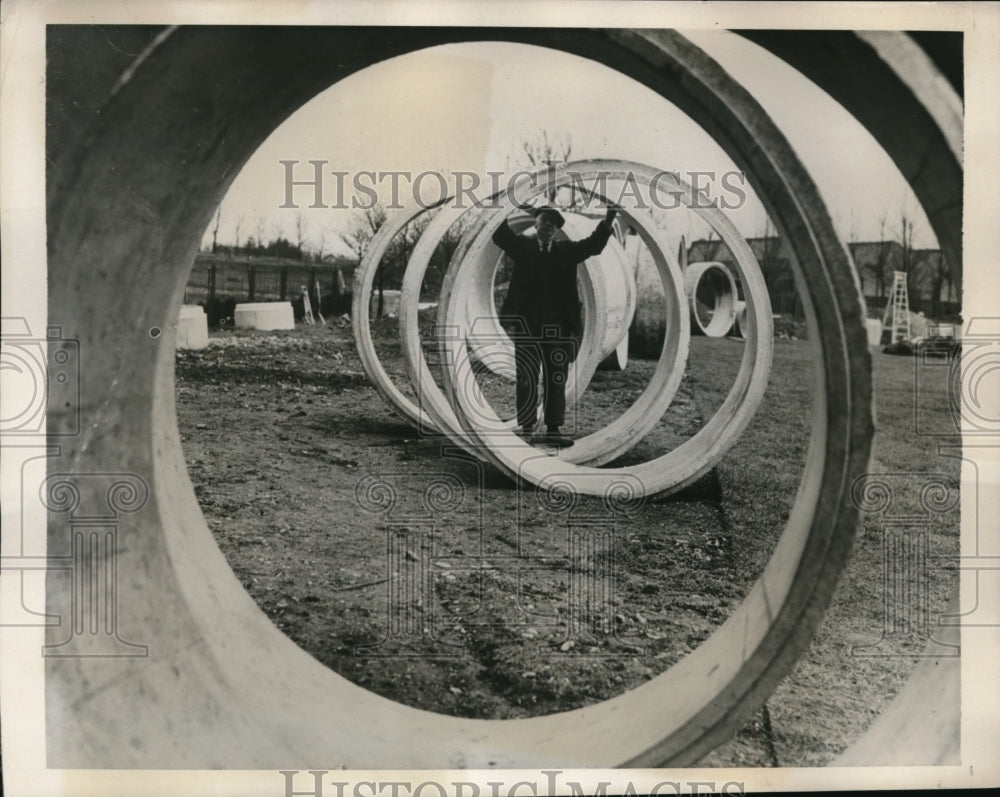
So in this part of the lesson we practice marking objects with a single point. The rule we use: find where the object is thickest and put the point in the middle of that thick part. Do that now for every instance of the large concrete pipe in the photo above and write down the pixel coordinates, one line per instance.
(364, 280)
(922, 725)
(617, 359)
(473, 257)
(924, 84)
(711, 285)
(475, 413)
(647, 330)
(142, 151)
(673, 470)
(432, 412)
(605, 291)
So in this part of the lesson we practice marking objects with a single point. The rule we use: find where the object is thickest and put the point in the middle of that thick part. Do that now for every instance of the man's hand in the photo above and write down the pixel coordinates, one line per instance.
(520, 216)
(610, 215)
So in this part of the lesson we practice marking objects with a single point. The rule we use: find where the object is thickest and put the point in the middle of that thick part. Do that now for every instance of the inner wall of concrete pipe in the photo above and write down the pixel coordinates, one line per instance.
(205, 678)
(361, 315)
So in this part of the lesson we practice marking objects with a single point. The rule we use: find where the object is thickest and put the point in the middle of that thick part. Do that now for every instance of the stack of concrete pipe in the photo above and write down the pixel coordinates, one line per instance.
(471, 334)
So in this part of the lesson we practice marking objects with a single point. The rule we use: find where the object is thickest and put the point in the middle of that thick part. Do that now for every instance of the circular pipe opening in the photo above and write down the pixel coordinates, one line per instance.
(241, 694)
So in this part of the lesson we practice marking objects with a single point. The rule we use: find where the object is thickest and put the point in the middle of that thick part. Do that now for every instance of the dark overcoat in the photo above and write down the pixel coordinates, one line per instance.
(542, 288)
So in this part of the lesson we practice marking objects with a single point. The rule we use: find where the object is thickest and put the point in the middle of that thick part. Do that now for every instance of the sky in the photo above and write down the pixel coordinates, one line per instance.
(468, 107)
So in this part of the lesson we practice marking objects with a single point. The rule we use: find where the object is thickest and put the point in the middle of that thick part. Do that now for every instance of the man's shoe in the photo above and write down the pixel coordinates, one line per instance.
(524, 431)
(553, 438)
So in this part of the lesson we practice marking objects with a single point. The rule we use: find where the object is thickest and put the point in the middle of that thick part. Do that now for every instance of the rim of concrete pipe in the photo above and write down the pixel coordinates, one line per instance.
(724, 309)
(675, 469)
(476, 238)
(597, 448)
(628, 428)
(605, 271)
(618, 359)
(927, 150)
(364, 280)
(223, 687)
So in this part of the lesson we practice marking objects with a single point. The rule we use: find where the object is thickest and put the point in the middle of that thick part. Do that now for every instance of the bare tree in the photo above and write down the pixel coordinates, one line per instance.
(907, 255)
(301, 227)
(236, 232)
(215, 229)
(324, 238)
(274, 233)
(882, 257)
(543, 151)
(362, 228)
(939, 277)
(260, 224)
(358, 236)
(777, 272)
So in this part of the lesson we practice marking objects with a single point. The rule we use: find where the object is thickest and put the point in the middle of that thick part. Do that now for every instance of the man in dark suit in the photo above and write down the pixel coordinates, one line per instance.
(543, 312)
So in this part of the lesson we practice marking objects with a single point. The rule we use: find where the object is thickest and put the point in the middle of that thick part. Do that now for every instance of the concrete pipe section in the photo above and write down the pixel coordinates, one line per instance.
(364, 280)
(432, 398)
(469, 260)
(606, 294)
(664, 474)
(712, 285)
(140, 153)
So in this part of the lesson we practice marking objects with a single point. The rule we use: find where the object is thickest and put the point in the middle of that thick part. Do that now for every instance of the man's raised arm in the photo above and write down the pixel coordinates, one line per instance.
(508, 240)
(594, 243)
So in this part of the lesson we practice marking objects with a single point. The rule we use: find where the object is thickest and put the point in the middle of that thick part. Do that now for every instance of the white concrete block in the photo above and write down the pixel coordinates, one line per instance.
(739, 328)
(942, 330)
(918, 326)
(874, 327)
(264, 315)
(192, 327)
(390, 303)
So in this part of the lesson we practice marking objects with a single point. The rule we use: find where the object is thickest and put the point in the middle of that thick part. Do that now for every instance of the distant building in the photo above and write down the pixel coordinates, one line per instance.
(929, 284)
(930, 287)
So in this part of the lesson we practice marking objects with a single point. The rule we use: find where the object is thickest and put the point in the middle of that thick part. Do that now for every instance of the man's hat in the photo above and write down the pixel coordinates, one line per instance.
(559, 220)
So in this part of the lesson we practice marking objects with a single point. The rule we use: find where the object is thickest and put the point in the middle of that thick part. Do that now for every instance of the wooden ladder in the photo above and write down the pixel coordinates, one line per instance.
(897, 311)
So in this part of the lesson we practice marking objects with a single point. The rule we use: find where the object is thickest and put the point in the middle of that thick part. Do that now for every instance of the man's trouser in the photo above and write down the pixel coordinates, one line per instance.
(549, 350)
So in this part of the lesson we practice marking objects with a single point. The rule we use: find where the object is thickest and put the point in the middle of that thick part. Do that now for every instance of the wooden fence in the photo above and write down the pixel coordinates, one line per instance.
(218, 284)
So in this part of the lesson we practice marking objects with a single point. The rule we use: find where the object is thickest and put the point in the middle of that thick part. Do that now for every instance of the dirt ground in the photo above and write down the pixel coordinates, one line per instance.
(435, 581)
